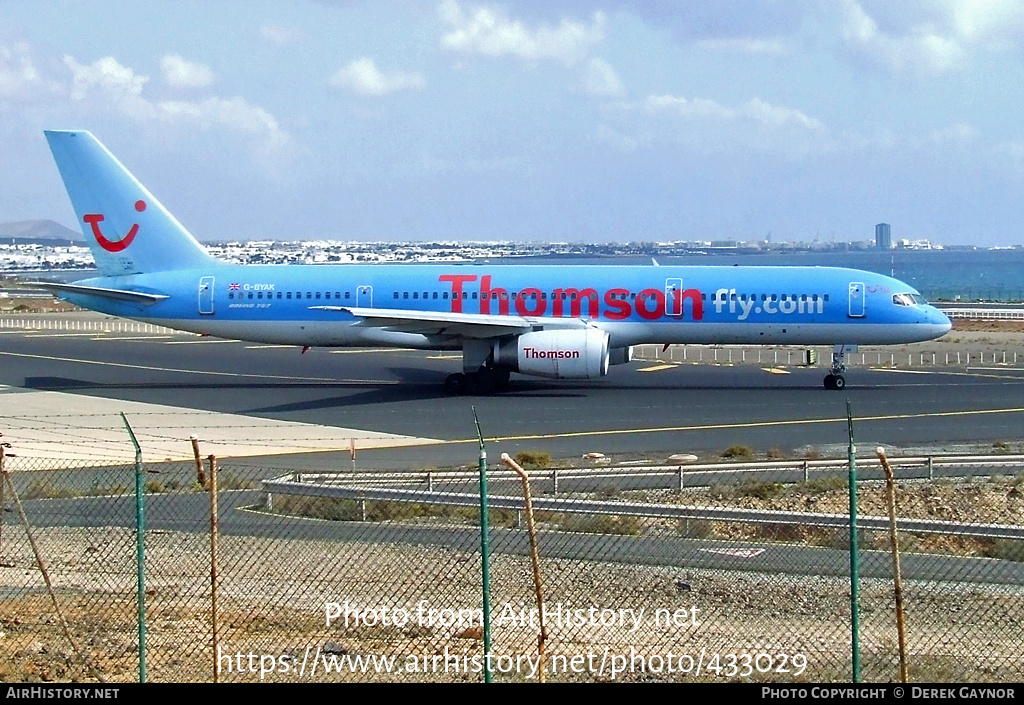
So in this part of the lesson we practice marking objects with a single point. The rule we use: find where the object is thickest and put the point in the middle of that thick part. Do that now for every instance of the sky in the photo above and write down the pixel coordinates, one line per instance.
(561, 121)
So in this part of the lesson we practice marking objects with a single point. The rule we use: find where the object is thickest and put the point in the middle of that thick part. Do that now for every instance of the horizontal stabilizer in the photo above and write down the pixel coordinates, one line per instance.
(137, 297)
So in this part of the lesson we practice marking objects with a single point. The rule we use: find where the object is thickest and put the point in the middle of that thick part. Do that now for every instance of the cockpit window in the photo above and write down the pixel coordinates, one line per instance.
(908, 299)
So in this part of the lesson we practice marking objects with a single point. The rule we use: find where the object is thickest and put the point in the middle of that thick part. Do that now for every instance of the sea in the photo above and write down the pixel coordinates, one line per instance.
(940, 275)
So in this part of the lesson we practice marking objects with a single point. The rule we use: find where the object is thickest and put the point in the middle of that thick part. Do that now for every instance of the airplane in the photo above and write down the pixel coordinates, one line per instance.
(559, 322)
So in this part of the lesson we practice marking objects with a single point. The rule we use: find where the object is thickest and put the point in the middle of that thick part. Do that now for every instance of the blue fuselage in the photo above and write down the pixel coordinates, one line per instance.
(312, 304)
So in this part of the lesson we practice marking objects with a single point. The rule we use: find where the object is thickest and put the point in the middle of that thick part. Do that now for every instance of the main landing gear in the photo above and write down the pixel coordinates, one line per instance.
(486, 380)
(835, 378)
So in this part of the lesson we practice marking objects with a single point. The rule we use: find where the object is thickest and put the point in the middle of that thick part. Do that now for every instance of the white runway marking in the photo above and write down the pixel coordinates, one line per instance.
(201, 341)
(363, 351)
(905, 372)
(54, 429)
(136, 338)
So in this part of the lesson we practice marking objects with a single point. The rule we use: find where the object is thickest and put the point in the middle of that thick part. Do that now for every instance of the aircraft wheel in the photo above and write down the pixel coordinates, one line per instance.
(838, 382)
(501, 379)
(481, 382)
(456, 383)
(830, 381)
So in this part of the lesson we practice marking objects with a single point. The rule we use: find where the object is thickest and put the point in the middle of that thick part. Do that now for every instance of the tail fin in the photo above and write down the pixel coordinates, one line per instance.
(128, 230)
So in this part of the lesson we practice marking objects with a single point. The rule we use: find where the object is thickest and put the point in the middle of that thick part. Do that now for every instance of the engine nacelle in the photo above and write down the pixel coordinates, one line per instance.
(561, 354)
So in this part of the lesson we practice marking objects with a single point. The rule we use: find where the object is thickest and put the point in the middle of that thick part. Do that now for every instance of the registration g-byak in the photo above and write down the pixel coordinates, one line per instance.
(561, 322)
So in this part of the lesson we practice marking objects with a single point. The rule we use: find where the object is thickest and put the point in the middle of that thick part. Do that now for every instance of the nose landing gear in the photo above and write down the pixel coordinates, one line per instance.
(835, 378)
(833, 381)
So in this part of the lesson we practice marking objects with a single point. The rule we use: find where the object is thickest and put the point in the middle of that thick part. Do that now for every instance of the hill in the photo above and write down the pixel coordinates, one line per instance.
(38, 231)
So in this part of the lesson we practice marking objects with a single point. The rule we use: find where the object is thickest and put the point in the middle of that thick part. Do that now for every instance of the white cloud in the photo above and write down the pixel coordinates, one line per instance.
(917, 46)
(601, 79)
(180, 73)
(19, 79)
(491, 32)
(754, 110)
(105, 75)
(960, 133)
(364, 78)
(114, 86)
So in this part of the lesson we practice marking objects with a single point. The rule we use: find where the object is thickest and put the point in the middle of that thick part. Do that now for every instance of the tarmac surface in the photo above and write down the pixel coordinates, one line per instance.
(65, 390)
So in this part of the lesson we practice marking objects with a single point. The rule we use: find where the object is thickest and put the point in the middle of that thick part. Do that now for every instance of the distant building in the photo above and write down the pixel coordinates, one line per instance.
(883, 236)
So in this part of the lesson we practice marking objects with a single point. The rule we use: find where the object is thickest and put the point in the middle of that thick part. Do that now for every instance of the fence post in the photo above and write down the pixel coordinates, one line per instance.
(3, 499)
(890, 499)
(200, 475)
(854, 562)
(214, 566)
(535, 561)
(140, 551)
(485, 553)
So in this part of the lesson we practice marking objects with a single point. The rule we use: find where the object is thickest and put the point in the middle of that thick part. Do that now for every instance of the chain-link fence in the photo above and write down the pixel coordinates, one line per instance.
(646, 574)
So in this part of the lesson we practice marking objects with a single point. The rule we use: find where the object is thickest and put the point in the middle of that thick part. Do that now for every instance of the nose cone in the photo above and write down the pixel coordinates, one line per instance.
(939, 322)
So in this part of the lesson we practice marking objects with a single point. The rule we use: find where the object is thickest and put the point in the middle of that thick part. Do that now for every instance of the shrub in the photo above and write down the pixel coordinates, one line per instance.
(601, 524)
(738, 452)
(533, 459)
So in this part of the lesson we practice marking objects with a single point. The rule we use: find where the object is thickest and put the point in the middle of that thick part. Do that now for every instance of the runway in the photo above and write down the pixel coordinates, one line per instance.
(641, 409)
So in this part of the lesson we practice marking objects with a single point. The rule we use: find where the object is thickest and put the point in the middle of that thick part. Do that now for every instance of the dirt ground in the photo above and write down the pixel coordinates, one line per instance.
(274, 589)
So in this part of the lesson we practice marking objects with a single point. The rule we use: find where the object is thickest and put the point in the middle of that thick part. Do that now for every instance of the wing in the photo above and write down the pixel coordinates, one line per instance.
(469, 325)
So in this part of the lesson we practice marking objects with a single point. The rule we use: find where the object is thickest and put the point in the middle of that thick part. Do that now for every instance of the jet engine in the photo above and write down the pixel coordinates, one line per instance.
(560, 354)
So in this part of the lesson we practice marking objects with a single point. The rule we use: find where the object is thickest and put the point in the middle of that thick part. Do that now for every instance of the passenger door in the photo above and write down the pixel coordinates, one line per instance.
(857, 303)
(206, 296)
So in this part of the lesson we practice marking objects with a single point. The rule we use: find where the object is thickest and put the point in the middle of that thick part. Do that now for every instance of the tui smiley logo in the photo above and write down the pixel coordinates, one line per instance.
(94, 219)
